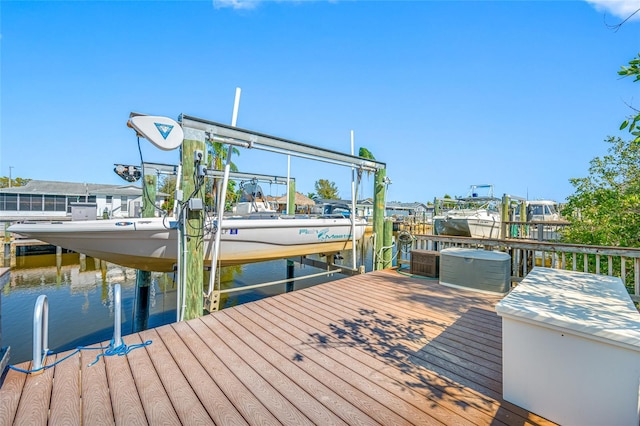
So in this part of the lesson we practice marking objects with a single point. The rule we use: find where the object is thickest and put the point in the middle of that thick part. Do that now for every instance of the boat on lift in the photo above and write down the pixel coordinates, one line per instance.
(150, 244)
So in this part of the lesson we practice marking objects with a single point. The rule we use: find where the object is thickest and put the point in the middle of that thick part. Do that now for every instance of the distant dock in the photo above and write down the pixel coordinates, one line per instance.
(377, 348)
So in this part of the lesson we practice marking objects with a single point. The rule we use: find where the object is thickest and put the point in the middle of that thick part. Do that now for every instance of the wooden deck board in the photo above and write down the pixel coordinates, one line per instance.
(157, 405)
(34, 404)
(66, 381)
(94, 388)
(10, 394)
(343, 358)
(316, 380)
(437, 352)
(379, 348)
(372, 301)
(126, 403)
(364, 348)
(240, 396)
(219, 408)
(285, 385)
(184, 400)
(280, 407)
(460, 344)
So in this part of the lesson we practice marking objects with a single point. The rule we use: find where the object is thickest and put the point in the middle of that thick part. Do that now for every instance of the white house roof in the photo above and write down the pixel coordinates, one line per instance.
(40, 187)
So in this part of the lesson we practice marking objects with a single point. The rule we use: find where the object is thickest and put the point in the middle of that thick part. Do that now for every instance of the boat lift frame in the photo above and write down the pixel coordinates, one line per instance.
(203, 130)
(234, 136)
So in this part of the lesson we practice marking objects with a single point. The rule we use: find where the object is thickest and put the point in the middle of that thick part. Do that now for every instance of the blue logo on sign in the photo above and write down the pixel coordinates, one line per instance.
(164, 129)
(233, 231)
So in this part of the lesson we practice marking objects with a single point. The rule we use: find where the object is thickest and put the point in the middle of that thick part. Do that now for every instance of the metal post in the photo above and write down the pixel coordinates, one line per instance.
(40, 332)
(117, 318)
(290, 275)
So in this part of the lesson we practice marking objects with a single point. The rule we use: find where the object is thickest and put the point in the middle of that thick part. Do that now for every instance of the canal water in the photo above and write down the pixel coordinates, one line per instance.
(81, 301)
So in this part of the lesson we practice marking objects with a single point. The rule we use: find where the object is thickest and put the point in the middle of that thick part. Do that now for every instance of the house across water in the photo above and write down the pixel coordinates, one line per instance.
(50, 200)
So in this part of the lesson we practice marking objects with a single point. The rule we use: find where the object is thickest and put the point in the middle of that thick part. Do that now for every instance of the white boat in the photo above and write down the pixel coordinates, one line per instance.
(541, 211)
(151, 243)
(475, 215)
(477, 223)
(544, 222)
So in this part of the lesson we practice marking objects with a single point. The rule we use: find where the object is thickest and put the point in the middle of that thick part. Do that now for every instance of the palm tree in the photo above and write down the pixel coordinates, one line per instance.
(217, 158)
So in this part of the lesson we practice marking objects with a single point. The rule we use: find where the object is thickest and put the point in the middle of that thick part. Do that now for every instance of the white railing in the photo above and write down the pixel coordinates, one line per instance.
(614, 261)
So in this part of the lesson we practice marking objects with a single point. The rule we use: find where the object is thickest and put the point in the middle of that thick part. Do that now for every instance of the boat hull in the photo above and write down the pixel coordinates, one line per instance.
(479, 225)
(151, 244)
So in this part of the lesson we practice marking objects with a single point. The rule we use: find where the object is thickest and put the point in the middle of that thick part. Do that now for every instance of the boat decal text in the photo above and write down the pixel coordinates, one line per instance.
(323, 234)
(124, 223)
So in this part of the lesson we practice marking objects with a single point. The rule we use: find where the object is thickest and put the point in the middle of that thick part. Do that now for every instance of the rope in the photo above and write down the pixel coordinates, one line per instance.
(120, 350)
(110, 351)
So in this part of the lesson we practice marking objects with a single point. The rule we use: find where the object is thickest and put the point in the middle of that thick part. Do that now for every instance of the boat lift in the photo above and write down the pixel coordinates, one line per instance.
(197, 131)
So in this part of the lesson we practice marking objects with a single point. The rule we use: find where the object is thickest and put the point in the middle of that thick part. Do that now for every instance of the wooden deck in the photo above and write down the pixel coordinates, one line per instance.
(379, 348)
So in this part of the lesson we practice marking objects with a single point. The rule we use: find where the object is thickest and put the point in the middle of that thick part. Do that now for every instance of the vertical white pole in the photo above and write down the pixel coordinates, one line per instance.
(288, 178)
(353, 210)
(117, 318)
(180, 232)
(236, 104)
(222, 198)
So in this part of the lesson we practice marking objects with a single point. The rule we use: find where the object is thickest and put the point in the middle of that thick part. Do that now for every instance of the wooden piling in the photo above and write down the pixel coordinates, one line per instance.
(378, 216)
(505, 216)
(194, 263)
(290, 275)
(143, 278)
(292, 197)
(387, 253)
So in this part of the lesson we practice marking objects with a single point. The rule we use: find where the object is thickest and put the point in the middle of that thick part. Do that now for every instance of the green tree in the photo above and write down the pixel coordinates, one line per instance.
(217, 159)
(365, 153)
(632, 124)
(326, 190)
(168, 186)
(312, 195)
(4, 182)
(605, 208)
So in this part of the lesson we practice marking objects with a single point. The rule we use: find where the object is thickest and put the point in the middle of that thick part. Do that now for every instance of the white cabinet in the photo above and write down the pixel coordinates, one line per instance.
(571, 348)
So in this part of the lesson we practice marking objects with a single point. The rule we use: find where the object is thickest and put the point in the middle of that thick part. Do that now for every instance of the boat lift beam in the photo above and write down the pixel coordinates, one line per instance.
(227, 134)
(171, 169)
(281, 180)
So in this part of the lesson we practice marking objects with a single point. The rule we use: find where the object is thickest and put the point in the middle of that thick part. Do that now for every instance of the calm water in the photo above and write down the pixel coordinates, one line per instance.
(80, 296)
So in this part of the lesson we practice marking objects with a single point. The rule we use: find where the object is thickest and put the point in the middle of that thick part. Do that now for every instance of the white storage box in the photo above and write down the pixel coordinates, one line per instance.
(571, 348)
(472, 269)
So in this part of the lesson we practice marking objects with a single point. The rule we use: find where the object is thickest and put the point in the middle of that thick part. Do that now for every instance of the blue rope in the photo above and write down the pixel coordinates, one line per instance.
(109, 351)
(120, 350)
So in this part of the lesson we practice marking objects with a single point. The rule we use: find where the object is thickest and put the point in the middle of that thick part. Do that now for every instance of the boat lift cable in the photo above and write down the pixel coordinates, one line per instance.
(145, 192)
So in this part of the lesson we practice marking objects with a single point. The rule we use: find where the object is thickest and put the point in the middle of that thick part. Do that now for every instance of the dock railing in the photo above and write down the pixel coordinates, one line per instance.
(534, 230)
(525, 254)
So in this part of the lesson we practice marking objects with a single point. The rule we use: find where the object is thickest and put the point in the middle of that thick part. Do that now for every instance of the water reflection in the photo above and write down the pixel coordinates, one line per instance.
(80, 293)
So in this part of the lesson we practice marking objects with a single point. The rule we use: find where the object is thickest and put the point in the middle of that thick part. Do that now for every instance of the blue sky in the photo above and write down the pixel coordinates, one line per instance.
(516, 94)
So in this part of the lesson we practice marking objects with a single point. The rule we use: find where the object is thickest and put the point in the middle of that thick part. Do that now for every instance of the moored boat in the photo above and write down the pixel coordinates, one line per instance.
(151, 243)
(475, 215)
